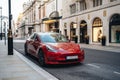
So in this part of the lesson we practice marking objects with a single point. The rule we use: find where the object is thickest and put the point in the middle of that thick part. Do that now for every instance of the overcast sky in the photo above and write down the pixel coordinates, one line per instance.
(16, 7)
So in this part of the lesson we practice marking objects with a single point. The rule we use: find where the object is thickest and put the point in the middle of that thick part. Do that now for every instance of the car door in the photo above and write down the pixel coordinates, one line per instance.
(31, 44)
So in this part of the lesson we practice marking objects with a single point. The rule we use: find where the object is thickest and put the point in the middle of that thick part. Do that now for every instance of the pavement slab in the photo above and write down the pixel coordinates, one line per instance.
(13, 67)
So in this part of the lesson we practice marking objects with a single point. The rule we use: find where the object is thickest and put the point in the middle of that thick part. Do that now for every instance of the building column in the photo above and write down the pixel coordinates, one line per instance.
(106, 29)
(89, 31)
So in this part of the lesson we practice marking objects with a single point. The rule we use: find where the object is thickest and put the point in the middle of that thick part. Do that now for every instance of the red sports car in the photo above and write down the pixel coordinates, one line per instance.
(53, 48)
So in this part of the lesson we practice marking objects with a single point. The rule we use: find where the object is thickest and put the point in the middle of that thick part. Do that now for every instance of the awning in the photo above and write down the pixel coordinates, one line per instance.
(53, 17)
(49, 21)
(44, 19)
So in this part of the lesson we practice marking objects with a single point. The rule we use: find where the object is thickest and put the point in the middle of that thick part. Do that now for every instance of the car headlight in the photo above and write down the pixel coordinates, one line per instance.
(80, 47)
(51, 48)
(82, 50)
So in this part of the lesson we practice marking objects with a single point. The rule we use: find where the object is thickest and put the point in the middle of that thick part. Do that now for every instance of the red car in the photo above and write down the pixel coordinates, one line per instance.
(53, 48)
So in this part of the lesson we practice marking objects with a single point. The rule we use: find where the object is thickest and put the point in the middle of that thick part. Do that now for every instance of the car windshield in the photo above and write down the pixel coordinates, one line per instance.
(53, 38)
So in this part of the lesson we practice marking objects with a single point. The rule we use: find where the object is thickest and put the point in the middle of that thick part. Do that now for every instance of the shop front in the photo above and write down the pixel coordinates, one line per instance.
(73, 35)
(83, 31)
(97, 30)
(52, 23)
(114, 29)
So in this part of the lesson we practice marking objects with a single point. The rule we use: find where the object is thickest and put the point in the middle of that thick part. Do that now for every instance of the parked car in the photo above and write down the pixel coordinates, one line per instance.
(53, 48)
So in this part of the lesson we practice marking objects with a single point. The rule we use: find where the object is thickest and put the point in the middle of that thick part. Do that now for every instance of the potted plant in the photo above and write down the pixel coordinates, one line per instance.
(87, 39)
(75, 38)
(103, 40)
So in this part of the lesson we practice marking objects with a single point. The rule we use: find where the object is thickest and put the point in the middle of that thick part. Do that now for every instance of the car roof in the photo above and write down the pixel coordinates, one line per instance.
(43, 33)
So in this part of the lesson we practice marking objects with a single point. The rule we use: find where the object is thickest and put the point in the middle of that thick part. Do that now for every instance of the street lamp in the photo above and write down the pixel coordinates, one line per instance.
(10, 37)
(1, 22)
(74, 25)
(5, 31)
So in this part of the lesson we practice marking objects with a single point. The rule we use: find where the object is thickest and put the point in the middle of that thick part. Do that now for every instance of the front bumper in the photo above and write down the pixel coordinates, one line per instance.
(57, 58)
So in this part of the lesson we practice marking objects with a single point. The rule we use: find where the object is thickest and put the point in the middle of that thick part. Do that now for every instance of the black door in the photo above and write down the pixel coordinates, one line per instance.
(83, 32)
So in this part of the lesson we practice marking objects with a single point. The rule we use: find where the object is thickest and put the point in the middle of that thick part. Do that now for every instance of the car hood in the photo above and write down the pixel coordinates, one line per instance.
(65, 47)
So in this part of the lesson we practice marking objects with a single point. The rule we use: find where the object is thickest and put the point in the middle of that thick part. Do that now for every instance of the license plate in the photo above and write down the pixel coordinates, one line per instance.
(71, 57)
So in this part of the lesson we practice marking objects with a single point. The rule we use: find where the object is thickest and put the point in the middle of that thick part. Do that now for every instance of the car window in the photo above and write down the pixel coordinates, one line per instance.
(47, 38)
(59, 38)
(53, 38)
(32, 37)
(36, 38)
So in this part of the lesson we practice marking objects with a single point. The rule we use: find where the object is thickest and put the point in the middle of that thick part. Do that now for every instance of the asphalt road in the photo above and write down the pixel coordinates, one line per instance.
(98, 65)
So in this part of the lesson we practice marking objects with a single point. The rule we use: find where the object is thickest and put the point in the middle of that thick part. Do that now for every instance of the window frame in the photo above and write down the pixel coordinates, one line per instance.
(83, 5)
(73, 8)
(97, 3)
(112, 0)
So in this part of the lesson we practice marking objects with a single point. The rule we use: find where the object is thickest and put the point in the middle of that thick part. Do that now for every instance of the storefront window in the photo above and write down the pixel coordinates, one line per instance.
(97, 30)
(97, 34)
(72, 31)
(115, 34)
(115, 29)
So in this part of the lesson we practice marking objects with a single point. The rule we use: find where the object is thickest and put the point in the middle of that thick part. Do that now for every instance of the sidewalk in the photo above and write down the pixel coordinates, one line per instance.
(100, 47)
(17, 67)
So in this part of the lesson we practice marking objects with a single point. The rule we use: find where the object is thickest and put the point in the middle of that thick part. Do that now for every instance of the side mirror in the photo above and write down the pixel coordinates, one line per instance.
(72, 41)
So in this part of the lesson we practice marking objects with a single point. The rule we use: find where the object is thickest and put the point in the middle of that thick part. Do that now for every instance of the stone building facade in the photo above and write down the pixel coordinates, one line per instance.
(30, 18)
(50, 15)
(93, 18)
(41, 16)
(77, 19)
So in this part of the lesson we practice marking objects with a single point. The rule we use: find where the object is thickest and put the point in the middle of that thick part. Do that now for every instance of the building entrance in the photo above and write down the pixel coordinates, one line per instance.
(83, 31)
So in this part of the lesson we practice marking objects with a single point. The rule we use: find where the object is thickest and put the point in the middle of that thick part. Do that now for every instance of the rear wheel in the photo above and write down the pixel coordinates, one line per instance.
(41, 58)
(26, 52)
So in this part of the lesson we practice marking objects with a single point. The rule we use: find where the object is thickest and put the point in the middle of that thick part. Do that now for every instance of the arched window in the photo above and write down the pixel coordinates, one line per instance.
(97, 22)
(97, 30)
(114, 30)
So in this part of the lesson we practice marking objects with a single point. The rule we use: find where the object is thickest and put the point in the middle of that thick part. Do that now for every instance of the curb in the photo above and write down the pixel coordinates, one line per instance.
(38, 69)
(98, 47)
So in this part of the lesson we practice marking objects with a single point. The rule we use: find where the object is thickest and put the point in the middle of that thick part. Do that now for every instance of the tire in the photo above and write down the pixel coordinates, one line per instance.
(41, 58)
(25, 48)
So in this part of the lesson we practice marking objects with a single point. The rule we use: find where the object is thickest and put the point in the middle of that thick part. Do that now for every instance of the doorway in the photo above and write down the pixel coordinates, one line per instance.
(83, 31)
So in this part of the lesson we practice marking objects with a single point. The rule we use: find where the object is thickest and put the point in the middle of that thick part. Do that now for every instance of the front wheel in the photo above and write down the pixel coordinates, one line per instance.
(41, 58)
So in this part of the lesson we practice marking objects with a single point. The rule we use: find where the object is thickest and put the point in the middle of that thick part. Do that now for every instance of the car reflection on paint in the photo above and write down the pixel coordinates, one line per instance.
(53, 48)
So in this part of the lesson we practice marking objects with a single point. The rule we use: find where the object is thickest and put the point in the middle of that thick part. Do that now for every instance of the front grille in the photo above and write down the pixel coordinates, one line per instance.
(72, 60)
